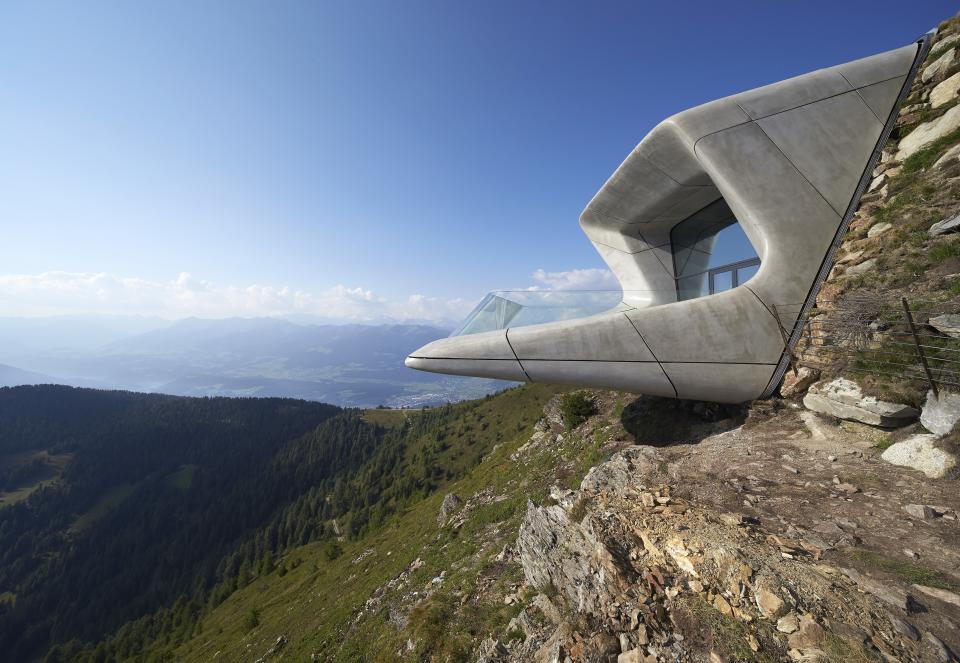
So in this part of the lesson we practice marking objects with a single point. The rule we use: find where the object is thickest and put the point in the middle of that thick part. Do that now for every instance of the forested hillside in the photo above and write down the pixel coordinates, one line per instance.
(126, 517)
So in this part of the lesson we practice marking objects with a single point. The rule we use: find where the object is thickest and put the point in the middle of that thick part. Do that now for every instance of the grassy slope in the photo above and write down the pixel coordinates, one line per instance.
(316, 602)
(312, 600)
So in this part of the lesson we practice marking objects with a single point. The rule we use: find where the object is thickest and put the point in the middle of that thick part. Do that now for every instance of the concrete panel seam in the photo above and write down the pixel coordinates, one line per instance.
(800, 172)
(857, 90)
(506, 335)
(629, 253)
(650, 350)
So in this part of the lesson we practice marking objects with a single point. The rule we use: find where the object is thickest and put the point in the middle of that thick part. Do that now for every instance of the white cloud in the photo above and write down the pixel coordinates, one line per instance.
(594, 278)
(59, 293)
(64, 293)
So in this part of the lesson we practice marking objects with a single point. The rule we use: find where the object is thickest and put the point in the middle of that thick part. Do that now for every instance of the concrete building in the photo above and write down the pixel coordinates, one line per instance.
(764, 182)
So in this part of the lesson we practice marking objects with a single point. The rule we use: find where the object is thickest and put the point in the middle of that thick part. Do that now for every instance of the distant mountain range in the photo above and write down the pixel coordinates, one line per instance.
(11, 376)
(346, 365)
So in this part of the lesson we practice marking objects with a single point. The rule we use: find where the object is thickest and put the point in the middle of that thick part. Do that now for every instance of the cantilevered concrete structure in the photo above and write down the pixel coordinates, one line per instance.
(788, 162)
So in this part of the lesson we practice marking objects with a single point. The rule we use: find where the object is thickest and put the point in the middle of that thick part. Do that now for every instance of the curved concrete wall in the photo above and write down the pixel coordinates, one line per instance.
(790, 160)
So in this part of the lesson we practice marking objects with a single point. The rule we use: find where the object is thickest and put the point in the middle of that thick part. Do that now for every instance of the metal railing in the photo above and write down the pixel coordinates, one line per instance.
(877, 335)
(734, 269)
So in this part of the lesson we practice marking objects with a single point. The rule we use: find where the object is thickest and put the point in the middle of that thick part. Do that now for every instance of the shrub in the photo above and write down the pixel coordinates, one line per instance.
(576, 408)
(332, 550)
(252, 620)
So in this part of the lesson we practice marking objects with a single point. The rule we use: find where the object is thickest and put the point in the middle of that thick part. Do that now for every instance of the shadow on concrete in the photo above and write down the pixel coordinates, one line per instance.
(661, 422)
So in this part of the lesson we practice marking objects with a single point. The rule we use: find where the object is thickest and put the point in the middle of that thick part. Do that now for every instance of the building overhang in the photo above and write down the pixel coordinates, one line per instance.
(790, 161)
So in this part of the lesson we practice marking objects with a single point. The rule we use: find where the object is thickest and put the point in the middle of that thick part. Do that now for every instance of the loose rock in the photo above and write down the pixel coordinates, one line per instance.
(795, 384)
(920, 452)
(945, 92)
(862, 268)
(842, 398)
(928, 132)
(920, 511)
(947, 324)
(788, 623)
(941, 64)
(941, 413)
(878, 229)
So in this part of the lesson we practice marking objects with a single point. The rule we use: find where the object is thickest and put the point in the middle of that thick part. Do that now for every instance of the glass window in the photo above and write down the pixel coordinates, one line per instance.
(705, 243)
(722, 281)
(744, 274)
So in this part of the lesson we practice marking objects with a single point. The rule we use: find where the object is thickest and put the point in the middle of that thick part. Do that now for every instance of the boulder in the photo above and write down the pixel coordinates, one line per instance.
(928, 132)
(946, 41)
(795, 384)
(919, 511)
(843, 399)
(809, 636)
(945, 91)
(850, 257)
(939, 594)
(940, 64)
(788, 623)
(450, 504)
(935, 646)
(947, 324)
(904, 628)
(862, 268)
(940, 413)
(952, 153)
(770, 604)
(920, 452)
(949, 225)
(879, 229)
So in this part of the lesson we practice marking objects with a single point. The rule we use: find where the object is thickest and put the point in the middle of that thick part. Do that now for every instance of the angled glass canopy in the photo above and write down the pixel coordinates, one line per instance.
(518, 308)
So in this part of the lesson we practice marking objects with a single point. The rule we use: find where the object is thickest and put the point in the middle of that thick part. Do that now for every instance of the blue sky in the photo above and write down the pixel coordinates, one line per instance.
(218, 158)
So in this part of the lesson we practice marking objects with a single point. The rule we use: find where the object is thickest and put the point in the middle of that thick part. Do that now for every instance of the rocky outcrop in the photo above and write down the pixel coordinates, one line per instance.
(920, 452)
(451, 502)
(557, 552)
(928, 132)
(646, 576)
(843, 399)
(948, 225)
